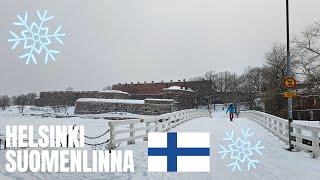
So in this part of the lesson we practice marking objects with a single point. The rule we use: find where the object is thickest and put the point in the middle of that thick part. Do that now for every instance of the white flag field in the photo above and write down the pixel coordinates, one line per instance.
(179, 152)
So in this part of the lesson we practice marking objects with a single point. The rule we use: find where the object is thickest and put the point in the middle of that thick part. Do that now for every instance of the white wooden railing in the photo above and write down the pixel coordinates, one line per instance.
(130, 130)
(304, 137)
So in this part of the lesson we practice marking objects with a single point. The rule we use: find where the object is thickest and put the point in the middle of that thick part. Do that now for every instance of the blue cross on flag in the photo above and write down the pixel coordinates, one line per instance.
(179, 152)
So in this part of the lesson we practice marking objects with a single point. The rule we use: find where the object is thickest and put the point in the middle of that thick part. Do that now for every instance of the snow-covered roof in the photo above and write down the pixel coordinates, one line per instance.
(169, 100)
(178, 88)
(119, 101)
(89, 91)
(113, 91)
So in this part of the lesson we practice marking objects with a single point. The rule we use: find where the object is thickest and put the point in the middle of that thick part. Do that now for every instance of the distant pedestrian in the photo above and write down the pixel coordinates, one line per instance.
(231, 109)
(237, 111)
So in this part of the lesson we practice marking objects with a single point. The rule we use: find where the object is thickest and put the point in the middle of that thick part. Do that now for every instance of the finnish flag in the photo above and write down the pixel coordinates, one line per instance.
(179, 152)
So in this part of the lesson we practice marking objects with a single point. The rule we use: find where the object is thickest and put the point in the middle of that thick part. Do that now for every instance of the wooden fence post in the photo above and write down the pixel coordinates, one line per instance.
(111, 144)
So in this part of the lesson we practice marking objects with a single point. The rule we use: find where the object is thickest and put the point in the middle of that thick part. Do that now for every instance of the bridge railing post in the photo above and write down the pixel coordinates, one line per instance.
(112, 137)
(147, 131)
(279, 128)
(132, 133)
(156, 126)
(164, 122)
(168, 123)
(315, 143)
(298, 133)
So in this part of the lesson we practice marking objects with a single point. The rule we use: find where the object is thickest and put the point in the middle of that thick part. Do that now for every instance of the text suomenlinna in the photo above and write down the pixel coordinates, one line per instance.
(59, 149)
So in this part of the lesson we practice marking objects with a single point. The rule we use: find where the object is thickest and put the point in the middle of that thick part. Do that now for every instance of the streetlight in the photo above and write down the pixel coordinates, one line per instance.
(289, 74)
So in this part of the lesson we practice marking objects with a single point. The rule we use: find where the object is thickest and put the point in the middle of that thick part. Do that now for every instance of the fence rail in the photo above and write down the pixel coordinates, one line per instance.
(133, 129)
(304, 137)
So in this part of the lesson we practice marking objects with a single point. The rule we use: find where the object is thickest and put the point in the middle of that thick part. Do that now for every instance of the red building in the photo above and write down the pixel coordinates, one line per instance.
(305, 107)
(203, 89)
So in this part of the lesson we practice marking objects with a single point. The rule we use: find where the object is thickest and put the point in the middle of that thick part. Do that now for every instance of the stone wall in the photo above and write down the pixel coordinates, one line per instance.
(146, 107)
(58, 98)
(185, 99)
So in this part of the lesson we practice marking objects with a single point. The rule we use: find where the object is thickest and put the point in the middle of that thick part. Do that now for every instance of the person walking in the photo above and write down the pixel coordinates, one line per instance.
(231, 109)
(236, 110)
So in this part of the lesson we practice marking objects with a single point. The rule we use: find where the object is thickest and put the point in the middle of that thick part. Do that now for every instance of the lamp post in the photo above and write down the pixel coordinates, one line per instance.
(289, 74)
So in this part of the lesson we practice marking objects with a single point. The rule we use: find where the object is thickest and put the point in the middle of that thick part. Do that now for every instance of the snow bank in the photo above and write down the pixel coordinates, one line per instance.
(114, 91)
(120, 101)
(177, 88)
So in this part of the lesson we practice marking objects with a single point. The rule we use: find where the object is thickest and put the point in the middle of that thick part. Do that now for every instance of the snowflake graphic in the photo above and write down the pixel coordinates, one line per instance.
(36, 38)
(241, 151)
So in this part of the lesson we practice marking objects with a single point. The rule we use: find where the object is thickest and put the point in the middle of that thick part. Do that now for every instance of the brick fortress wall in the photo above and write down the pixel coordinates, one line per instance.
(203, 89)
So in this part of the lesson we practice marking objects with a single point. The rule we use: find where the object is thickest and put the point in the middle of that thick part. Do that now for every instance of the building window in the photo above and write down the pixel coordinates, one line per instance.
(136, 109)
(126, 109)
(116, 109)
(145, 109)
(314, 101)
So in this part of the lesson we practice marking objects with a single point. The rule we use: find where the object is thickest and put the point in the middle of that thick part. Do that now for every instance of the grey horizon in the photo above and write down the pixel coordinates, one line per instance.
(146, 40)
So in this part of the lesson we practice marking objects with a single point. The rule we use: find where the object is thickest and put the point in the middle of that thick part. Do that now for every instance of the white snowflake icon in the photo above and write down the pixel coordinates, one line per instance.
(241, 150)
(36, 37)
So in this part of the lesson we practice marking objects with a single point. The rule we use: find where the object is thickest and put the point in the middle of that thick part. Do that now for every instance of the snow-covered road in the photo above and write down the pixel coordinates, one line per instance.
(276, 163)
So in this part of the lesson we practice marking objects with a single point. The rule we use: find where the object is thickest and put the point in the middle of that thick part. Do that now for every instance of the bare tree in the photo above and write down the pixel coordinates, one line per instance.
(211, 76)
(4, 102)
(251, 84)
(276, 60)
(275, 72)
(31, 98)
(308, 55)
(21, 101)
(13, 100)
(226, 82)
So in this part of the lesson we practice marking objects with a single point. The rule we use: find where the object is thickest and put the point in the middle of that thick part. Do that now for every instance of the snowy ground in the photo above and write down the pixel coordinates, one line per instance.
(95, 124)
(276, 163)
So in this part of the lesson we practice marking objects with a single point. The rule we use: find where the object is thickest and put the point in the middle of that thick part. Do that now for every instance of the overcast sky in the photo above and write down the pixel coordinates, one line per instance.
(111, 41)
